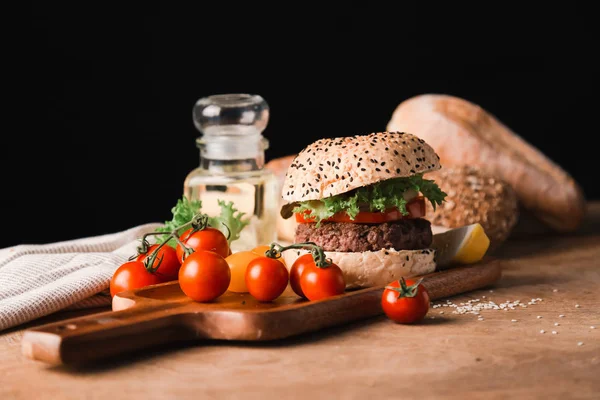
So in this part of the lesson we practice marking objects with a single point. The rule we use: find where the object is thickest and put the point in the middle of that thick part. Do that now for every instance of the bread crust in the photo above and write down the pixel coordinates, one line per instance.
(286, 227)
(474, 196)
(375, 268)
(464, 133)
(330, 167)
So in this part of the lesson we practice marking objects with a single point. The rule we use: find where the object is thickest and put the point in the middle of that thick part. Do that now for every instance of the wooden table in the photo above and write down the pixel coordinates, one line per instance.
(453, 356)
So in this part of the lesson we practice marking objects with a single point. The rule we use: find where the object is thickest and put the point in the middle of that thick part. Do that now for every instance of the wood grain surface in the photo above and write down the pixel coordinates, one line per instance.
(163, 313)
(453, 356)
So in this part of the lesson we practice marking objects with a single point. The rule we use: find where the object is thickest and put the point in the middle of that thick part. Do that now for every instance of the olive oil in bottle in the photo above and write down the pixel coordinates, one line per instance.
(232, 158)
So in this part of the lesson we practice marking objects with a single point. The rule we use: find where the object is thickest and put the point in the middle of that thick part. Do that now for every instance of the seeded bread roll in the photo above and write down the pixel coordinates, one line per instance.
(463, 133)
(475, 197)
(329, 167)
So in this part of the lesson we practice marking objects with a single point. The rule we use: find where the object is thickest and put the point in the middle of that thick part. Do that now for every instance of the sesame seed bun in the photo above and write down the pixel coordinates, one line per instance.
(375, 268)
(475, 196)
(329, 167)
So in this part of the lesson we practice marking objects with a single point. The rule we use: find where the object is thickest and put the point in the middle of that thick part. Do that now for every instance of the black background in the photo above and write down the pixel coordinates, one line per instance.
(99, 136)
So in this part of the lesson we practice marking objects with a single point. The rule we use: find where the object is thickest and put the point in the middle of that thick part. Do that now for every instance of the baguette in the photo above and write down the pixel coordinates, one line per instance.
(465, 134)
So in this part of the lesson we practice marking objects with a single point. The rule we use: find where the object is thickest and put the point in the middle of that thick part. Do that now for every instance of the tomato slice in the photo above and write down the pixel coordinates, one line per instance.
(415, 208)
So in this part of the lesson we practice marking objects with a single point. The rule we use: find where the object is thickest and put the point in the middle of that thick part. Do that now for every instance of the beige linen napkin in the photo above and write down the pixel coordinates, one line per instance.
(37, 280)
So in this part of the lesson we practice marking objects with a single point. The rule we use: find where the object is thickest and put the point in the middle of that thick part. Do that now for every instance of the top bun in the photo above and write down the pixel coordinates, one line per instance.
(329, 167)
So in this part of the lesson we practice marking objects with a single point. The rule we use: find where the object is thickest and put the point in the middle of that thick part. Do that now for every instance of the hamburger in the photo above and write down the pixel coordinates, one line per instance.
(363, 199)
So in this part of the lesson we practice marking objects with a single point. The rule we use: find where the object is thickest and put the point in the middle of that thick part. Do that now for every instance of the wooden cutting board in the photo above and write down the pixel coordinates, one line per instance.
(160, 314)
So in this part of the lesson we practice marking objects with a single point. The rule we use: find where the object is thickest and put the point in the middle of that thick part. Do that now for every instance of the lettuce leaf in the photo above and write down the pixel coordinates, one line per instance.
(183, 212)
(377, 197)
(229, 221)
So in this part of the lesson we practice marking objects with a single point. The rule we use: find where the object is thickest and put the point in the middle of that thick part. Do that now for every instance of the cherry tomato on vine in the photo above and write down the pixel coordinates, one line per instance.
(204, 275)
(169, 266)
(296, 272)
(266, 278)
(209, 239)
(405, 301)
(132, 275)
(319, 283)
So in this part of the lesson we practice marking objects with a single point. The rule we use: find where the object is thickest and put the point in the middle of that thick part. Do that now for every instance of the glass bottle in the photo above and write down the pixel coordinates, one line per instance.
(232, 157)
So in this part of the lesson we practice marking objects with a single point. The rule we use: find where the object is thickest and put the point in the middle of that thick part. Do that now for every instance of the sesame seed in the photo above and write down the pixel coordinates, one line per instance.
(491, 291)
(554, 332)
(555, 290)
(513, 320)
(592, 327)
(579, 343)
(542, 331)
(441, 312)
(556, 324)
(577, 306)
(539, 317)
(561, 316)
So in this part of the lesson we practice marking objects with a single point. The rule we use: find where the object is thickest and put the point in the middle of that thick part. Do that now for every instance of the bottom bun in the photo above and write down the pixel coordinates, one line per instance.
(375, 268)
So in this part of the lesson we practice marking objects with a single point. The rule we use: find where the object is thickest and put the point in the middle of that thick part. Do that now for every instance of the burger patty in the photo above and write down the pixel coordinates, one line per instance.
(406, 234)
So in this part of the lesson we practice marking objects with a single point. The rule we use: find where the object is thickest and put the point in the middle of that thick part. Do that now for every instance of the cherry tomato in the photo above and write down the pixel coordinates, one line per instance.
(132, 275)
(405, 302)
(296, 272)
(204, 275)
(169, 266)
(209, 239)
(416, 209)
(266, 278)
(260, 250)
(238, 263)
(319, 283)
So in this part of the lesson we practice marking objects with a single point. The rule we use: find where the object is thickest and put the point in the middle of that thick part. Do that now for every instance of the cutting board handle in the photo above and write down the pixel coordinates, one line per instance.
(81, 340)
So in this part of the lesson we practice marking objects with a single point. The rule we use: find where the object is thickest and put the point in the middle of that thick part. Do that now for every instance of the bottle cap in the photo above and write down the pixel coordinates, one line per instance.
(231, 114)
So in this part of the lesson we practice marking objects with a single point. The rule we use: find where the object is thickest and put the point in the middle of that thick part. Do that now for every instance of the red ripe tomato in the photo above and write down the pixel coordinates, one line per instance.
(266, 278)
(204, 276)
(209, 239)
(132, 275)
(416, 209)
(296, 272)
(169, 266)
(319, 283)
(405, 302)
